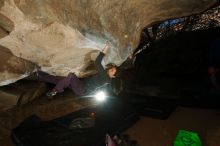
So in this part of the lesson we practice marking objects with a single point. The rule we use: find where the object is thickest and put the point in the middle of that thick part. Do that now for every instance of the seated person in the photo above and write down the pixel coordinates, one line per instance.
(81, 87)
(214, 63)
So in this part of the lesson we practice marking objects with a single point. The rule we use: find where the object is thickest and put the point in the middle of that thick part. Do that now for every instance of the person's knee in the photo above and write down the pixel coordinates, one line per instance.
(71, 77)
(41, 75)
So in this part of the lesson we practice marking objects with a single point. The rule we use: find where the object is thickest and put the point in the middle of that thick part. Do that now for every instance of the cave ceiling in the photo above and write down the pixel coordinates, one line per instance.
(65, 36)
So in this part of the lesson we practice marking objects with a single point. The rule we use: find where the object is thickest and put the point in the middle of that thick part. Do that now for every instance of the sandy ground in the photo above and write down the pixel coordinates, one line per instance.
(147, 131)
(153, 132)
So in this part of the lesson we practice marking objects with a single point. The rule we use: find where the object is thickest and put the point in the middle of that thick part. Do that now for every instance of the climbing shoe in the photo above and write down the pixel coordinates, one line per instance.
(51, 94)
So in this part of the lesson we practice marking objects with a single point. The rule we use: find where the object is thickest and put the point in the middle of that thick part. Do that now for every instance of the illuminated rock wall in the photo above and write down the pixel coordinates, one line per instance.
(63, 36)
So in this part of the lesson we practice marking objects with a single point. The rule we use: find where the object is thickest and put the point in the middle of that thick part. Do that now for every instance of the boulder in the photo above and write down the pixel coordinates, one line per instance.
(20, 93)
(12, 67)
(66, 36)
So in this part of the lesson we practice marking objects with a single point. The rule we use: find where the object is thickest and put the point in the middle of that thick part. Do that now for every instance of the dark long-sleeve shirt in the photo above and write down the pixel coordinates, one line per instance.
(99, 79)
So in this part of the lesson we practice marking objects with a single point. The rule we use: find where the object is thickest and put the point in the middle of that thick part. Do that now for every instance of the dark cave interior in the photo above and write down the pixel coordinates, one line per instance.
(175, 68)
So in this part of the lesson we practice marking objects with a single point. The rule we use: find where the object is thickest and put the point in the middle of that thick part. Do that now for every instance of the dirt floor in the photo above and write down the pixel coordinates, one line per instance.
(153, 132)
(147, 131)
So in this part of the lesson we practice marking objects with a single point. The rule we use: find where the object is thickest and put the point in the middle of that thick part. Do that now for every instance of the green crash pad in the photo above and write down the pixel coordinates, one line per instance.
(187, 138)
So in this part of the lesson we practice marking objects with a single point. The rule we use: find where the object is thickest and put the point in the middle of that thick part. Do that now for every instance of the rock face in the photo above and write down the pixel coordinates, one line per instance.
(65, 36)
(13, 68)
(20, 93)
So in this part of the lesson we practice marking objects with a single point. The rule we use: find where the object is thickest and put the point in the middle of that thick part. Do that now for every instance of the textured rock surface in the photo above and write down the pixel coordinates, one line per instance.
(63, 36)
(6, 26)
(20, 93)
(13, 68)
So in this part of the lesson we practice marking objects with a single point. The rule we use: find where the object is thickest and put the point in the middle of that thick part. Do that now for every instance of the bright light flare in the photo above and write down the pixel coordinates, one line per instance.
(100, 96)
